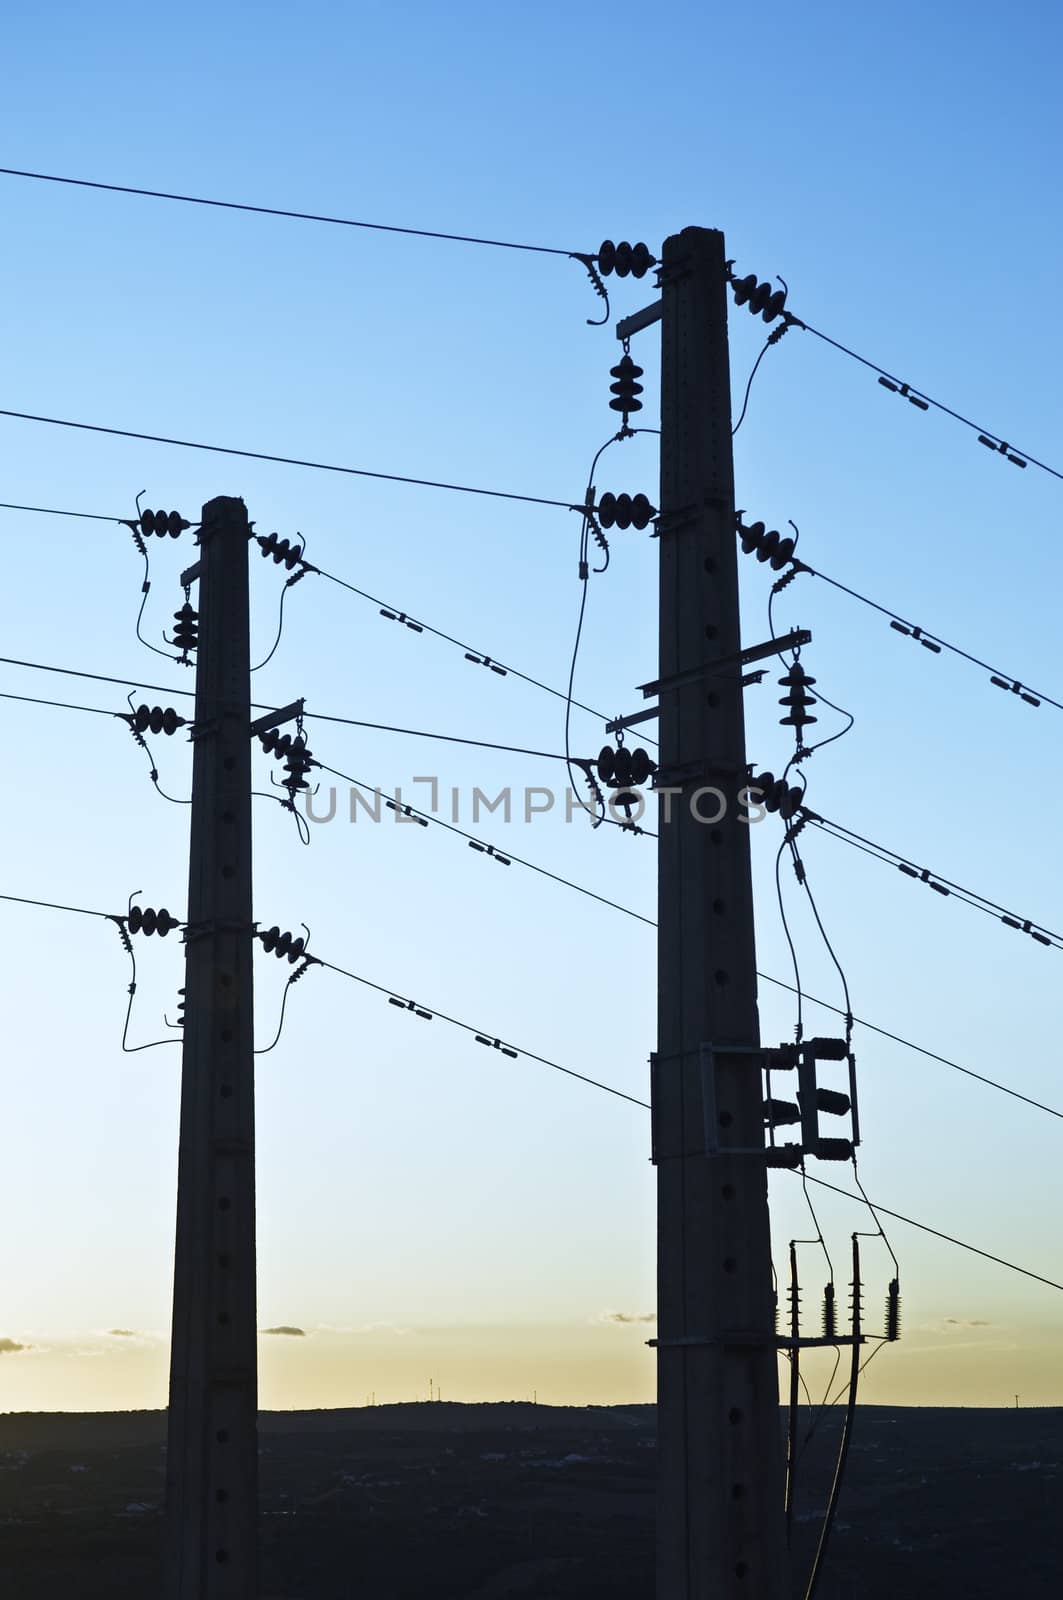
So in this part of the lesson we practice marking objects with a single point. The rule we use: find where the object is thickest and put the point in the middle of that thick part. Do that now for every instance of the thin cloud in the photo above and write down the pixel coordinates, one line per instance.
(11, 1347)
(122, 1333)
(967, 1322)
(629, 1316)
(287, 1332)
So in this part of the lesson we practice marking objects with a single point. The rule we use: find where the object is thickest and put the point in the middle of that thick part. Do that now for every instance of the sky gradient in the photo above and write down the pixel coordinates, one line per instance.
(427, 1208)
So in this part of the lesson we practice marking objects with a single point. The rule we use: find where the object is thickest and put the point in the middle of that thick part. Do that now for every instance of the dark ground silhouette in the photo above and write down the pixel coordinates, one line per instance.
(483, 1502)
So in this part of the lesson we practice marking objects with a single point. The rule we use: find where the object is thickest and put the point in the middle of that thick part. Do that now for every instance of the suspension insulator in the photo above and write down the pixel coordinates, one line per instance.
(893, 1310)
(833, 1150)
(798, 699)
(276, 744)
(780, 1113)
(624, 259)
(760, 297)
(776, 794)
(626, 388)
(297, 765)
(282, 550)
(153, 719)
(142, 919)
(162, 523)
(625, 511)
(766, 545)
(186, 633)
(282, 944)
(830, 1313)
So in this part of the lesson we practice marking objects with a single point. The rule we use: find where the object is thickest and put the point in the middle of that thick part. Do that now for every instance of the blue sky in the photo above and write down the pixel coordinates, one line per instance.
(898, 168)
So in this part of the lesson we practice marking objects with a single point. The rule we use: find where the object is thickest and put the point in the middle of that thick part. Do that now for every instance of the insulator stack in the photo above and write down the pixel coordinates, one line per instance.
(282, 944)
(797, 698)
(162, 523)
(623, 770)
(153, 719)
(186, 632)
(830, 1313)
(282, 550)
(180, 1009)
(759, 297)
(780, 1113)
(626, 388)
(893, 1310)
(775, 794)
(279, 745)
(142, 919)
(297, 765)
(625, 511)
(766, 544)
(633, 260)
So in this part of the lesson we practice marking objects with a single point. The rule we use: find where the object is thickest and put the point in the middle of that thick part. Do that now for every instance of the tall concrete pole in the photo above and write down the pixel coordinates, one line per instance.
(212, 1450)
(720, 1510)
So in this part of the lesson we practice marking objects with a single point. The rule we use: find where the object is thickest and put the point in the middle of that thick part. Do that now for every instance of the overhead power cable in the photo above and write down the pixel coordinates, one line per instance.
(614, 905)
(515, 1053)
(278, 211)
(925, 402)
(320, 716)
(288, 461)
(480, 1035)
(943, 886)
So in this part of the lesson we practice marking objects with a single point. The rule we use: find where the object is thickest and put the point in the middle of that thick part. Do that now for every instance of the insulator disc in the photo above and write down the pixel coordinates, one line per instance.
(623, 511)
(170, 720)
(174, 524)
(623, 259)
(148, 921)
(147, 522)
(607, 510)
(136, 919)
(606, 257)
(790, 804)
(629, 404)
(298, 946)
(774, 306)
(759, 298)
(782, 554)
(796, 675)
(641, 512)
(606, 763)
(622, 769)
(768, 545)
(641, 261)
(763, 782)
(640, 766)
(776, 796)
(751, 536)
(625, 368)
(744, 288)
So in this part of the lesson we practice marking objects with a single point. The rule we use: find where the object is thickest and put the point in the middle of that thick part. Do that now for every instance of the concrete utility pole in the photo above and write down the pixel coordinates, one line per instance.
(212, 1450)
(720, 1509)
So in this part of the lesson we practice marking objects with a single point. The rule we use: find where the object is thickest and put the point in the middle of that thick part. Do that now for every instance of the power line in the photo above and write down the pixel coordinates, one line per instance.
(515, 1053)
(943, 886)
(483, 1038)
(277, 211)
(924, 402)
(614, 905)
(53, 511)
(319, 716)
(287, 461)
(949, 1238)
(934, 643)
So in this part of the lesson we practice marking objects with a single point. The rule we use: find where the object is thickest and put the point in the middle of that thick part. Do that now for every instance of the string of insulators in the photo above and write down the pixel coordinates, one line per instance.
(186, 631)
(274, 942)
(775, 794)
(633, 260)
(161, 523)
(758, 297)
(297, 765)
(181, 1019)
(142, 919)
(626, 388)
(766, 544)
(496, 1044)
(282, 550)
(893, 1310)
(830, 1313)
(625, 511)
(153, 719)
(620, 768)
(797, 698)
